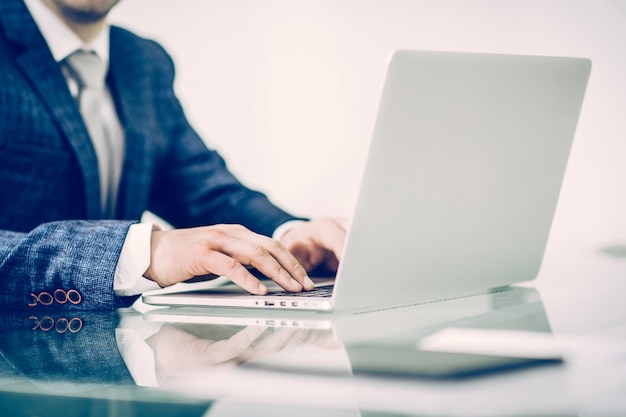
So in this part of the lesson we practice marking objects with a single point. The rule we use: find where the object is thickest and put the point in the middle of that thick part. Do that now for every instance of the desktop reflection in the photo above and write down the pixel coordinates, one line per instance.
(191, 349)
(183, 361)
(64, 364)
(41, 345)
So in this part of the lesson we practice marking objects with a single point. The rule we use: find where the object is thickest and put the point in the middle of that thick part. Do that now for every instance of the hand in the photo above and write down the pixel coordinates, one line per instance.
(182, 351)
(178, 352)
(317, 243)
(180, 254)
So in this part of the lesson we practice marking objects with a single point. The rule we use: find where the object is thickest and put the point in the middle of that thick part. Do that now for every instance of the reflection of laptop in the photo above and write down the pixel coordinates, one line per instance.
(461, 183)
(386, 342)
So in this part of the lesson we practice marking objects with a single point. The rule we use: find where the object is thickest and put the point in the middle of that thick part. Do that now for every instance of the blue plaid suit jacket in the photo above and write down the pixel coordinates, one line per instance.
(52, 236)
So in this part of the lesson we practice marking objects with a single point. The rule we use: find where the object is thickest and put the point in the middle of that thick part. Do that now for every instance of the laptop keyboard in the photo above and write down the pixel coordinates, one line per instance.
(321, 291)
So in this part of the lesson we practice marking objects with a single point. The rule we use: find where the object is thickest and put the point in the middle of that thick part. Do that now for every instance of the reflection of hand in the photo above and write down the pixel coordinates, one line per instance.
(317, 243)
(178, 255)
(177, 351)
(284, 338)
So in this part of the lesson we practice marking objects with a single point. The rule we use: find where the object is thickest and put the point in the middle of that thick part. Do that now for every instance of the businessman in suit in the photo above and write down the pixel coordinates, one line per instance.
(71, 194)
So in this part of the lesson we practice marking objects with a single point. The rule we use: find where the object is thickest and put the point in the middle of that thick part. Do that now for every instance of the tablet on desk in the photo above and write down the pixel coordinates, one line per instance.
(410, 362)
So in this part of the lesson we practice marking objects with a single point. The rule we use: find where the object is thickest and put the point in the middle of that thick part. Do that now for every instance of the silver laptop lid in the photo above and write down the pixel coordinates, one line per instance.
(463, 175)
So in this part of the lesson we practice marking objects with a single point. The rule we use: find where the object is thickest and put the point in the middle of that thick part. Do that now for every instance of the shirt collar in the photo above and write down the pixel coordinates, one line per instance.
(61, 40)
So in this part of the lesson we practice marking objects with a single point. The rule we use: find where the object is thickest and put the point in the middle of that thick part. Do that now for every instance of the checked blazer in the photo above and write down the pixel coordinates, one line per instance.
(52, 234)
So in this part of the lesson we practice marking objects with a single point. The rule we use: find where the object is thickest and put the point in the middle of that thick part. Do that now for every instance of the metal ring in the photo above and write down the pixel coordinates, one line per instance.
(35, 300)
(76, 299)
(72, 327)
(62, 330)
(46, 320)
(49, 298)
(60, 291)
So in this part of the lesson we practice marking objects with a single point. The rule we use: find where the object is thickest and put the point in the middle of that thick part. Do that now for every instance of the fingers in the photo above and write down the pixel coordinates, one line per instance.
(333, 236)
(222, 264)
(179, 255)
(268, 256)
(178, 352)
(273, 341)
(317, 242)
(226, 350)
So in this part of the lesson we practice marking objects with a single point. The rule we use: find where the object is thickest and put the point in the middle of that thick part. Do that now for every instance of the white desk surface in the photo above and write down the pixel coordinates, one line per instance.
(576, 308)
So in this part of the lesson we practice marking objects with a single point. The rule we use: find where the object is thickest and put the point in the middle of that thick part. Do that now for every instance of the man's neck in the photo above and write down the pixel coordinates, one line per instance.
(87, 32)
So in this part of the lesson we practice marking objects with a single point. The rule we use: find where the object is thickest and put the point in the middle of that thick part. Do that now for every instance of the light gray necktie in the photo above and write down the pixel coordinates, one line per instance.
(89, 71)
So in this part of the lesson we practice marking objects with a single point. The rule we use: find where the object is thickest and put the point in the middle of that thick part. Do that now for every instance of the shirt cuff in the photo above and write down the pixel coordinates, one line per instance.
(134, 261)
(285, 227)
(131, 335)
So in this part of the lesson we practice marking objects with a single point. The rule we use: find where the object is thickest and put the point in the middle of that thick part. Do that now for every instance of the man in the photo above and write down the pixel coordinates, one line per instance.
(71, 193)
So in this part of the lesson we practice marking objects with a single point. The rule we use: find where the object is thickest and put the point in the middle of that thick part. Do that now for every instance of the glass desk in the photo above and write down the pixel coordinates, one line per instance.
(199, 362)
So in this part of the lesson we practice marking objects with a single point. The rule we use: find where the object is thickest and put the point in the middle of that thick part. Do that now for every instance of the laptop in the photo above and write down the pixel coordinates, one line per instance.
(460, 186)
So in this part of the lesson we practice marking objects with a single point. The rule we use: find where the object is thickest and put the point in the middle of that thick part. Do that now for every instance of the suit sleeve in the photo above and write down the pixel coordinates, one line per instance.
(67, 265)
(193, 185)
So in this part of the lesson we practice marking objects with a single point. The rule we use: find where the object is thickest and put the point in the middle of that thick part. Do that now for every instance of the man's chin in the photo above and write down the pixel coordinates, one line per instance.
(85, 18)
(83, 12)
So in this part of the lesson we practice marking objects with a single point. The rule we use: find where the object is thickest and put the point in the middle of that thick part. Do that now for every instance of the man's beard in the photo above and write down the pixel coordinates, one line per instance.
(84, 15)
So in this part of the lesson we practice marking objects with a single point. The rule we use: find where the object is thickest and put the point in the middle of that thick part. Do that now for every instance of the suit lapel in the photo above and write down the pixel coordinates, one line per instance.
(42, 71)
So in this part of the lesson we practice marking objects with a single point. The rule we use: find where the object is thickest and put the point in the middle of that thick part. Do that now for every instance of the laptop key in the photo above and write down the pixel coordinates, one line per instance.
(321, 291)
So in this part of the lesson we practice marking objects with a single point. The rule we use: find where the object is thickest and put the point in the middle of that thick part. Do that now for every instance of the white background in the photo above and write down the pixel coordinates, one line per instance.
(287, 90)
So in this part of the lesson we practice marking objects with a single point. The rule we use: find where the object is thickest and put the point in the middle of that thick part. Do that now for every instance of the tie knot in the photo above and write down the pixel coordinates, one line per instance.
(88, 68)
